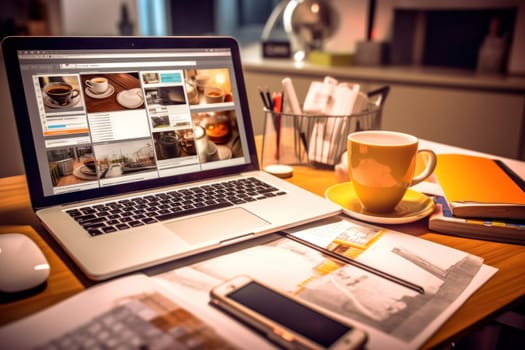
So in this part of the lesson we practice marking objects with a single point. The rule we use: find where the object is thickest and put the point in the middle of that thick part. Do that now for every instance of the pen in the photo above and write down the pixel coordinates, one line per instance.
(281, 108)
(277, 110)
(266, 102)
(269, 98)
(357, 264)
(303, 139)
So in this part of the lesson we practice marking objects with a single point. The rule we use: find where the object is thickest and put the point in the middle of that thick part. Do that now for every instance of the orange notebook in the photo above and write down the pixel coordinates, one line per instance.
(480, 187)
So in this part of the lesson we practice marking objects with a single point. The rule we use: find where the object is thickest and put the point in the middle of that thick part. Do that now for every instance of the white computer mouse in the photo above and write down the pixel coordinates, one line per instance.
(22, 264)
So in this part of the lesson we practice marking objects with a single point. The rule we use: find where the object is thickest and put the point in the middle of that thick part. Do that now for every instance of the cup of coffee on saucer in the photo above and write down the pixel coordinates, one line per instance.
(382, 166)
(98, 85)
(60, 94)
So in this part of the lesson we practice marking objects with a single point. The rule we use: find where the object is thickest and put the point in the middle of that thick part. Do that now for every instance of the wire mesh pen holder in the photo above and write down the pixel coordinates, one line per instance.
(315, 140)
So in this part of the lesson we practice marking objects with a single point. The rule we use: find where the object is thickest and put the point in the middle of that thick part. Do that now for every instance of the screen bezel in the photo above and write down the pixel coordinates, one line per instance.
(11, 46)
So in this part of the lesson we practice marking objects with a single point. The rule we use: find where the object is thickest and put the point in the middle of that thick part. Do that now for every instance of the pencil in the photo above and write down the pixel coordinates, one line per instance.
(356, 263)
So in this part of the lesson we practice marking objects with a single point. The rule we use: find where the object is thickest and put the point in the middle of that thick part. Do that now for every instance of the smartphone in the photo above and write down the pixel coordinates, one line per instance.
(287, 320)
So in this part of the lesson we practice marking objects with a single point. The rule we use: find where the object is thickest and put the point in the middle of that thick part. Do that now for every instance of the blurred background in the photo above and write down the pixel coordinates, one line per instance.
(456, 68)
(428, 32)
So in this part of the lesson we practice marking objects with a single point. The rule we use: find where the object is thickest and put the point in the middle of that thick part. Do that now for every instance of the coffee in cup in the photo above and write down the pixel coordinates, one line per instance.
(60, 93)
(214, 95)
(98, 85)
(381, 167)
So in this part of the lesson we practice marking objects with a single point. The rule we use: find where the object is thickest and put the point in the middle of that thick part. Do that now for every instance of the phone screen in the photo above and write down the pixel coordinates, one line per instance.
(287, 312)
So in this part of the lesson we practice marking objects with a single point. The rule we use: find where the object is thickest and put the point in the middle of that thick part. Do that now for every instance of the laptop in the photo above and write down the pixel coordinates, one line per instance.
(133, 145)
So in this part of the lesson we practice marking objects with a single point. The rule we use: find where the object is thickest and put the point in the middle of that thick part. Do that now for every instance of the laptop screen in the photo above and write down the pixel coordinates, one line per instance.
(106, 116)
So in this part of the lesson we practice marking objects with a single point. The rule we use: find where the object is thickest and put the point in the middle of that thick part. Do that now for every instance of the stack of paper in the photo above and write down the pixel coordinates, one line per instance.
(174, 306)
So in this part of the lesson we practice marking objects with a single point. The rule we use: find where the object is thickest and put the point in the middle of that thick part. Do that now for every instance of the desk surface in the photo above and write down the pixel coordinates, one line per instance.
(501, 292)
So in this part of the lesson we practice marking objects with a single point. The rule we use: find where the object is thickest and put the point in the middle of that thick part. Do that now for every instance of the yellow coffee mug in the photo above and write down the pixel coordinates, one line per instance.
(381, 166)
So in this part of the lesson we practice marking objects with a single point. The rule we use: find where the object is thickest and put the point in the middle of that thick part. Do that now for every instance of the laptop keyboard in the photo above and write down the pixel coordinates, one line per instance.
(127, 213)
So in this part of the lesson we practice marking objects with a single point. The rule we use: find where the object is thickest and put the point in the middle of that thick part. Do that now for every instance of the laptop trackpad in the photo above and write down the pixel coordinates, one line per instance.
(219, 226)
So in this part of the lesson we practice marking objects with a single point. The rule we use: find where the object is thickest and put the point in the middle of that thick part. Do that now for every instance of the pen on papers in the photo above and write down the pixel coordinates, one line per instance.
(357, 264)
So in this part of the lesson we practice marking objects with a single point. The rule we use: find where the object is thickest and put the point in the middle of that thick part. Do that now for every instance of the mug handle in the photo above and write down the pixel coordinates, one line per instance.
(430, 165)
(74, 93)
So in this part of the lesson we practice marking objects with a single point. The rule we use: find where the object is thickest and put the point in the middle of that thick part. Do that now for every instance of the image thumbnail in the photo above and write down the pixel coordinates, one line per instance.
(71, 165)
(151, 78)
(123, 158)
(208, 86)
(60, 93)
(174, 144)
(166, 95)
(112, 92)
(220, 135)
(159, 118)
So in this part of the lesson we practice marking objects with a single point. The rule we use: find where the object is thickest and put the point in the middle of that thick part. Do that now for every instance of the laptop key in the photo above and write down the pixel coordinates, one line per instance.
(92, 225)
(94, 232)
(74, 212)
(87, 210)
(135, 223)
(108, 229)
(84, 218)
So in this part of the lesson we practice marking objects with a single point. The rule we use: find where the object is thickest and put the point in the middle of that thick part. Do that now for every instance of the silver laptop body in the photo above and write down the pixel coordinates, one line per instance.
(105, 122)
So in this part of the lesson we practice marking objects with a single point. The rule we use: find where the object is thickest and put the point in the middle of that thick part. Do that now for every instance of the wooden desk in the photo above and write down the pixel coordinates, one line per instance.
(504, 290)
(16, 216)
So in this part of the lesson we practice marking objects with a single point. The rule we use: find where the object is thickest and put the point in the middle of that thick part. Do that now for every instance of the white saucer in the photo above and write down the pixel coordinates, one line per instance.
(110, 90)
(49, 102)
(131, 98)
(414, 206)
(224, 152)
(84, 173)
